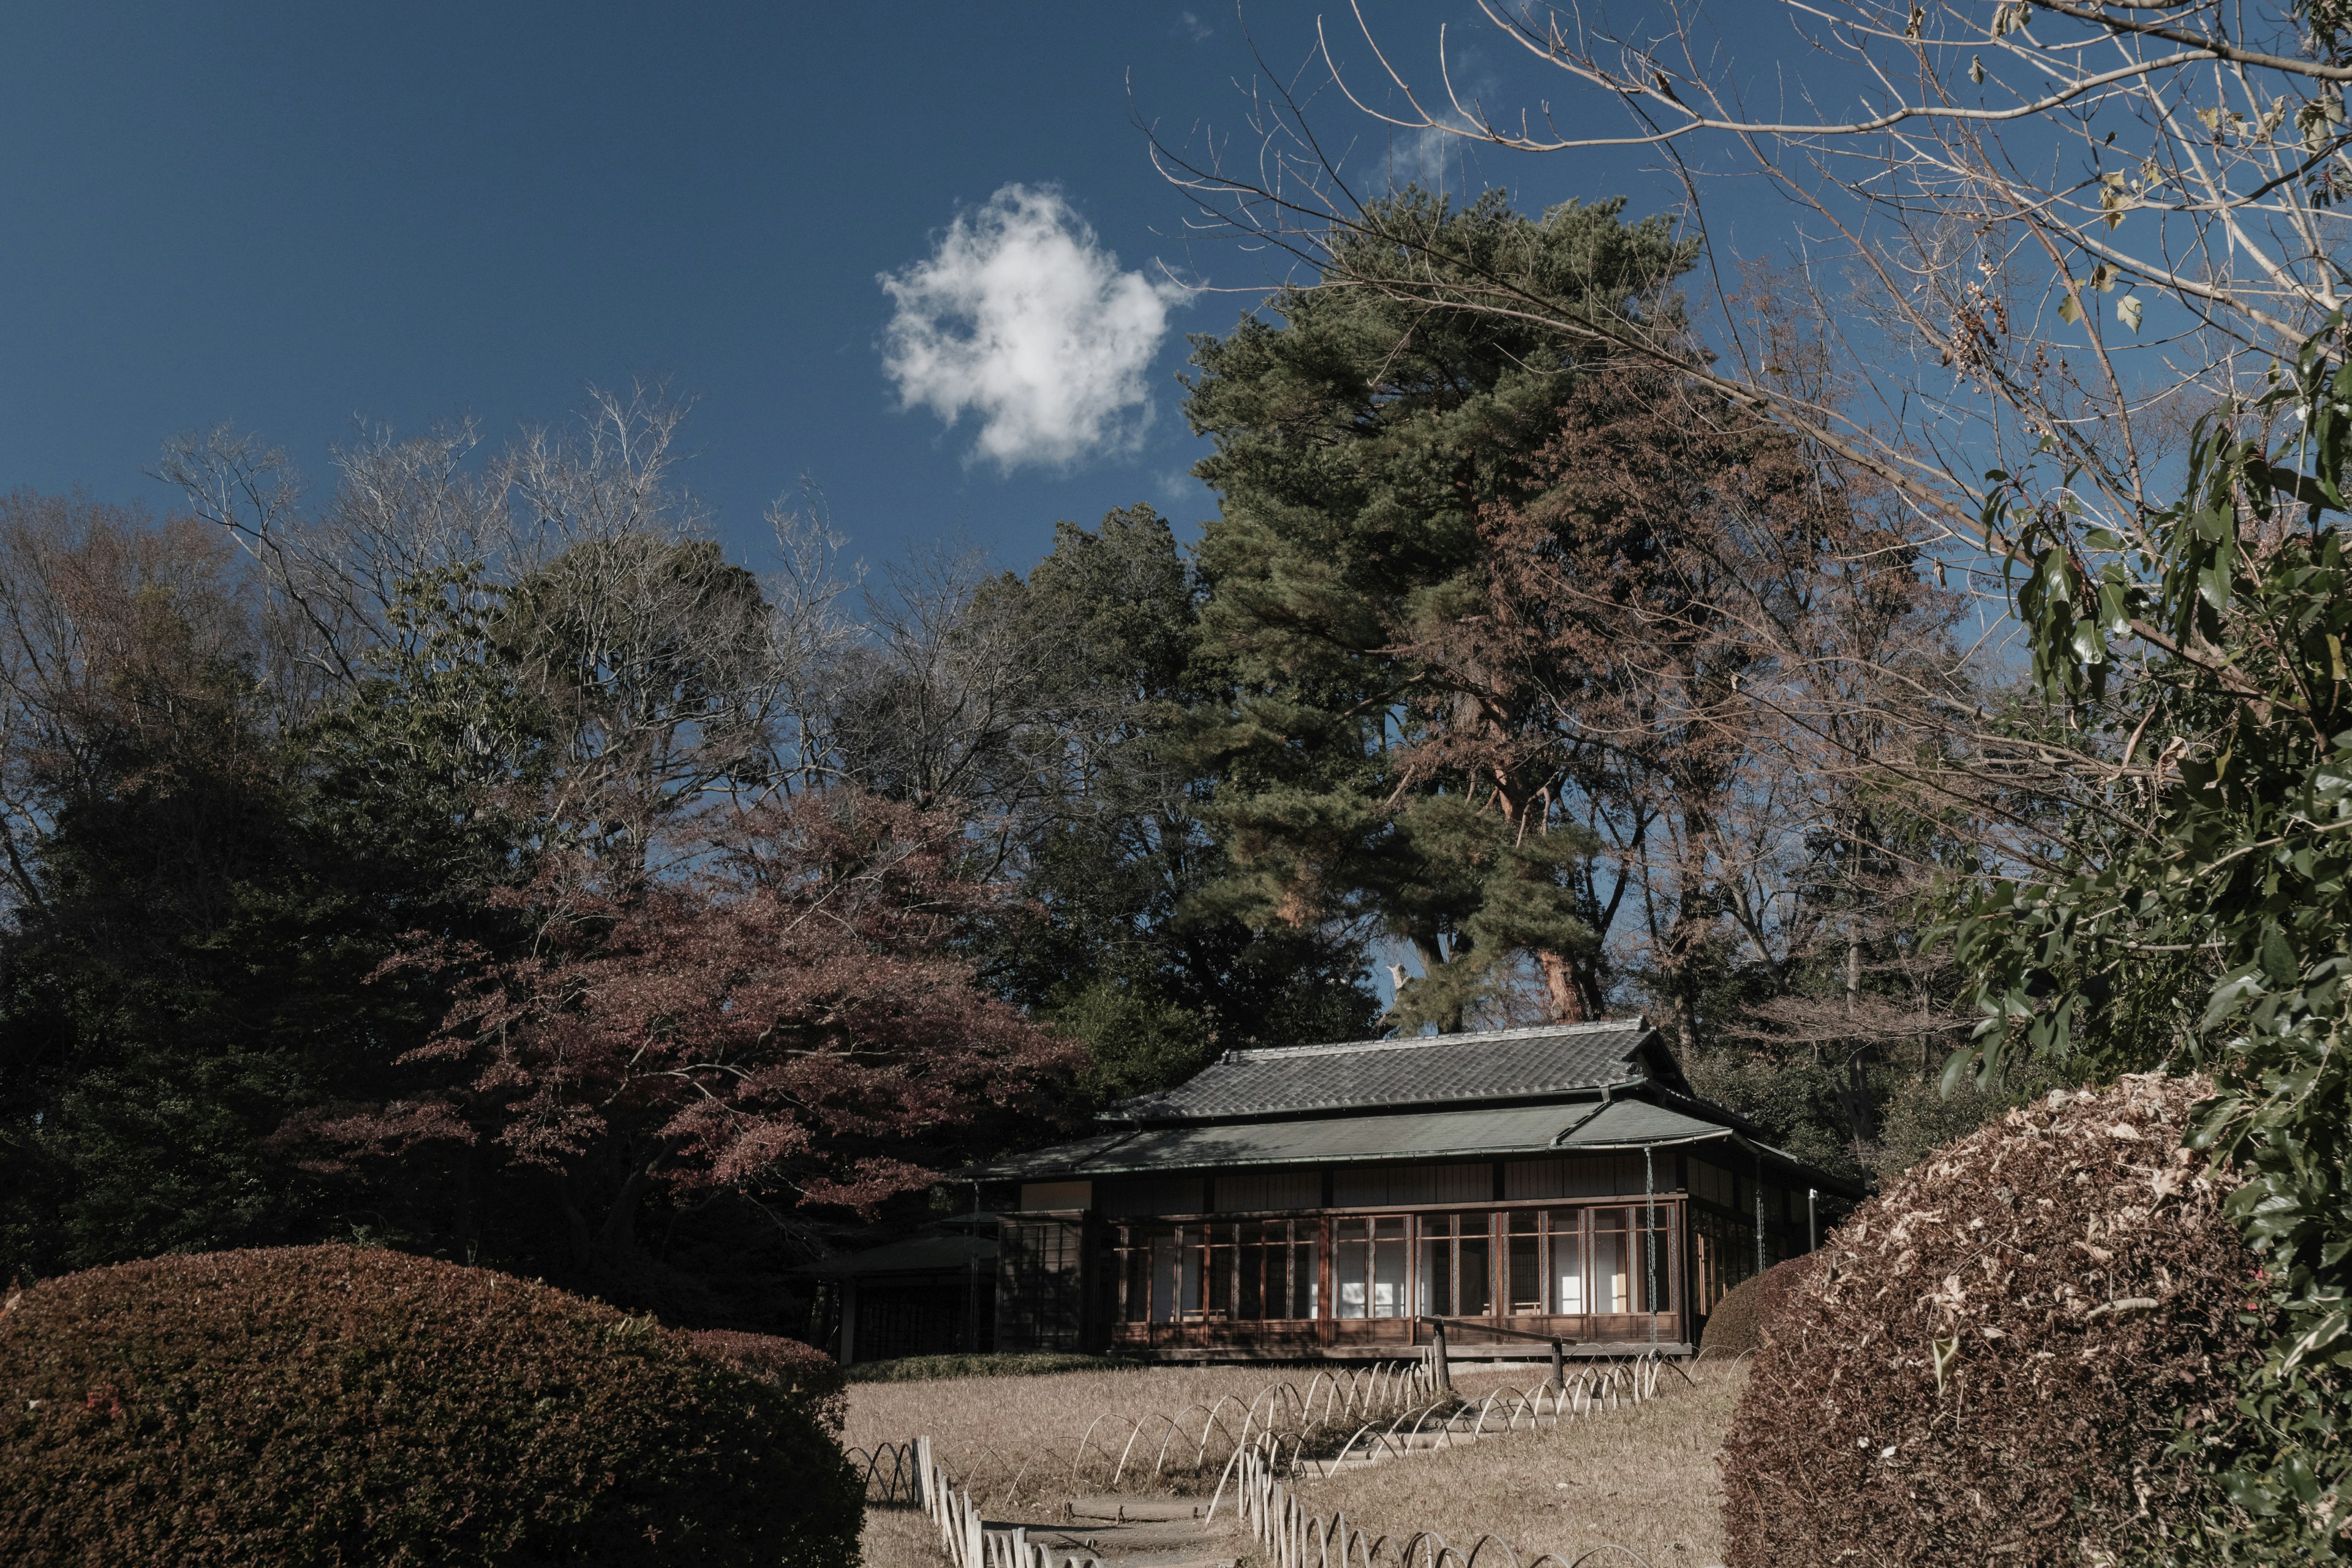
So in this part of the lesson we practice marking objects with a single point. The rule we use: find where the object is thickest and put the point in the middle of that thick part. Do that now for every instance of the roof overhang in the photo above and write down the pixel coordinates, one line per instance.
(1612, 1125)
(1420, 1136)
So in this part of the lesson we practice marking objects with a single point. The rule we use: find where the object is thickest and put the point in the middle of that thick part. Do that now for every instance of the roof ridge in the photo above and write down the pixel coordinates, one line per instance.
(1423, 1042)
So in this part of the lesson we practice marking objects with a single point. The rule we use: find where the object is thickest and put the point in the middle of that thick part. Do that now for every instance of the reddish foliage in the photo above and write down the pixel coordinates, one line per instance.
(809, 1375)
(2072, 1270)
(331, 1404)
(1738, 1323)
(788, 1019)
(1669, 561)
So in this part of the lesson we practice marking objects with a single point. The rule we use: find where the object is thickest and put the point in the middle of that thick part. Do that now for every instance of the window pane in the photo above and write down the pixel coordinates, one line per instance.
(1163, 1276)
(1433, 1290)
(1611, 1262)
(1388, 1266)
(1350, 1264)
(1135, 1261)
(1218, 1301)
(1306, 1281)
(1525, 1281)
(1474, 1285)
(1566, 1259)
(1654, 1258)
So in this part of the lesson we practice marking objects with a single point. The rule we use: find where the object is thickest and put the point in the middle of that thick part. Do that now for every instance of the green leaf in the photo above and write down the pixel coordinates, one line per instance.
(2127, 311)
(2070, 311)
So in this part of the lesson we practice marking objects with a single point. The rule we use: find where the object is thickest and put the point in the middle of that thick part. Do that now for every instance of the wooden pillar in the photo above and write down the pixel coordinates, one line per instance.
(1759, 1211)
(1649, 1233)
(1558, 1367)
(1437, 1355)
(971, 1277)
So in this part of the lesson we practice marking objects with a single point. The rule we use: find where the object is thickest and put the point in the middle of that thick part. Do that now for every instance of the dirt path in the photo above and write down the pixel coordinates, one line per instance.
(1137, 1532)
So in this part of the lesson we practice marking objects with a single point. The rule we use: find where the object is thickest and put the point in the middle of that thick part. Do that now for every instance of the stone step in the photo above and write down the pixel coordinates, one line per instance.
(1105, 1536)
(1120, 1510)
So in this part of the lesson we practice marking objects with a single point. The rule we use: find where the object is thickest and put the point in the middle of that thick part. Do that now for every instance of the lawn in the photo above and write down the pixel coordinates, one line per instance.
(1017, 1440)
(1644, 1478)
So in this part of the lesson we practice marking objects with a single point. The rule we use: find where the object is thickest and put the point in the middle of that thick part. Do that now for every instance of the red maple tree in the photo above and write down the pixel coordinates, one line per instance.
(787, 1016)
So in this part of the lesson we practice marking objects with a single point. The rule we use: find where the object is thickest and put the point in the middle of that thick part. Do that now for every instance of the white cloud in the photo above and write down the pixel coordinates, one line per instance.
(1021, 317)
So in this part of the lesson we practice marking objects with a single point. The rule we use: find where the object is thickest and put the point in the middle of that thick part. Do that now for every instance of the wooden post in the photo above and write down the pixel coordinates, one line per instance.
(1759, 1211)
(1437, 1354)
(1650, 1234)
(972, 1277)
(1558, 1367)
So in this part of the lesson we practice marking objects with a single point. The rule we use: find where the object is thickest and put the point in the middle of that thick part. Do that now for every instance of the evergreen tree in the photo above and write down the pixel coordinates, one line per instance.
(1126, 945)
(1361, 440)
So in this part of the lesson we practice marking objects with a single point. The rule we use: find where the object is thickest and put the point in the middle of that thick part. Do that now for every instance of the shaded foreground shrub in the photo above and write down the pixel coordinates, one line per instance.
(1734, 1328)
(920, 1368)
(1992, 1360)
(330, 1405)
(803, 1372)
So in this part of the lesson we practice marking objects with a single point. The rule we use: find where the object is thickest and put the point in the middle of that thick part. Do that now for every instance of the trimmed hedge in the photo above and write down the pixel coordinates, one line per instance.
(331, 1404)
(1737, 1325)
(1996, 1359)
(922, 1368)
(803, 1372)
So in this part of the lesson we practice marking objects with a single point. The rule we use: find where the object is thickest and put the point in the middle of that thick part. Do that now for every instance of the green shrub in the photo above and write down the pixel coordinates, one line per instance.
(920, 1368)
(2010, 1355)
(1735, 1326)
(331, 1404)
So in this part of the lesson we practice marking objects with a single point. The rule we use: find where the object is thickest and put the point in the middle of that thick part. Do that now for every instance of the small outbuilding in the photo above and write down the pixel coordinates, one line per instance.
(1330, 1201)
(928, 1294)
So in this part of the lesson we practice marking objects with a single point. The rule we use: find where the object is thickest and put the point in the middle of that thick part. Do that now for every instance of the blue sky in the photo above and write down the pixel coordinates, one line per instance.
(291, 217)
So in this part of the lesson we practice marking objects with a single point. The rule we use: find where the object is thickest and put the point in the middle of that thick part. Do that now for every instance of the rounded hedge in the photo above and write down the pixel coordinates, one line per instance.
(1735, 1326)
(334, 1404)
(1996, 1359)
(803, 1372)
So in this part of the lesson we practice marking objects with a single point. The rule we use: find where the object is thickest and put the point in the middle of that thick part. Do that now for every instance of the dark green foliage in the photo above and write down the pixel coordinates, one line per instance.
(1360, 441)
(1126, 947)
(195, 955)
(1994, 1360)
(2196, 912)
(335, 1406)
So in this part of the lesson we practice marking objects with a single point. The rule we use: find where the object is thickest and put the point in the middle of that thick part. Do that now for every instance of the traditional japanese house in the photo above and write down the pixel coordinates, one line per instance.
(1316, 1201)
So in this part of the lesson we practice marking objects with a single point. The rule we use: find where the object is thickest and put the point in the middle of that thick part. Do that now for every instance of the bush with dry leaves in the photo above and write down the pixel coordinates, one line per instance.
(2025, 1349)
(333, 1405)
(1735, 1327)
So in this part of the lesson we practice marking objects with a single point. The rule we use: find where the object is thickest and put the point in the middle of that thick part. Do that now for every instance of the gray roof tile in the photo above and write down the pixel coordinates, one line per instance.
(1407, 1135)
(1499, 1064)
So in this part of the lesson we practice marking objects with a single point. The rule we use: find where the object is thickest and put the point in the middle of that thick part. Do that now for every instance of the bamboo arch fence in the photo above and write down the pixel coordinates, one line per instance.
(1447, 1422)
(1254, 1471)
(1159, 1452)
(1292, 1537)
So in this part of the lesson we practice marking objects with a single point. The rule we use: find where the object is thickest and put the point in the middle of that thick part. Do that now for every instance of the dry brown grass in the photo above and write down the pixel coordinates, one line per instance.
(1644, 1478)
(899, 1538)
(1016, 1439)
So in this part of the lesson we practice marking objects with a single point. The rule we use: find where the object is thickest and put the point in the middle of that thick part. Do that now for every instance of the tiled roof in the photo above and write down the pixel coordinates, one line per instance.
(1435, 1069)
(1410, 1135)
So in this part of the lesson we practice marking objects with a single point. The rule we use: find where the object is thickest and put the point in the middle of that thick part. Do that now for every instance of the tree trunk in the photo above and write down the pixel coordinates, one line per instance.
(618, 1236)
(1563, 997)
